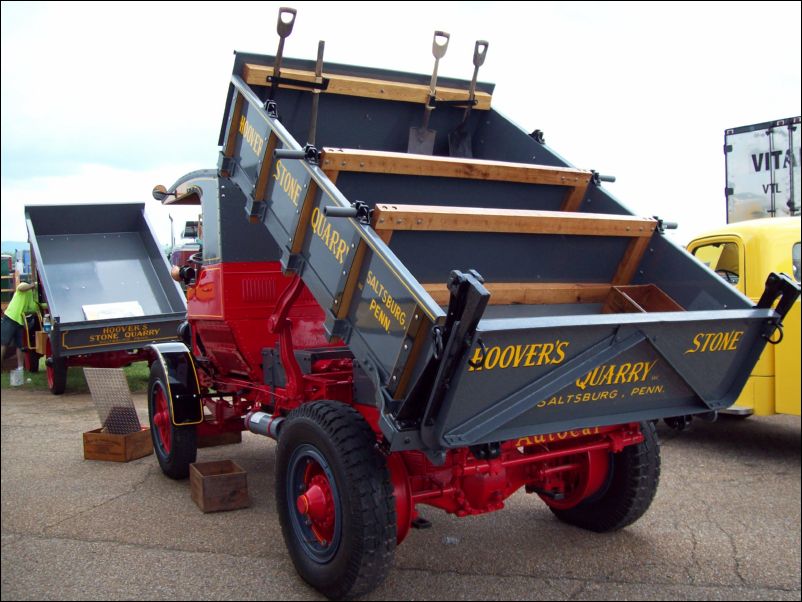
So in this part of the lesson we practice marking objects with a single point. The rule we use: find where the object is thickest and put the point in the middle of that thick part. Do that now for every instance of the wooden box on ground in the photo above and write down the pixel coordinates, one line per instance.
(220, 485)
(117, 448)
(226, 438)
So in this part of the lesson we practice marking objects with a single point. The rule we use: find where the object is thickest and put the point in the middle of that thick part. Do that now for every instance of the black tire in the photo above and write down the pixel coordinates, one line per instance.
(31, 361)
(176, 447)
(334, 438)
(56, 375)
(628, 492)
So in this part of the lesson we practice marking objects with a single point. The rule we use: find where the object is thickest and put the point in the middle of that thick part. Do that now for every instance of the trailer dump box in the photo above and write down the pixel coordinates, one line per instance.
(105, 278)
(489, 298)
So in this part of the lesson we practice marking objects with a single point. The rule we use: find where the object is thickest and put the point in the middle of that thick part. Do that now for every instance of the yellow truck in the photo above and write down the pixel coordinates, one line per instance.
(744, 253)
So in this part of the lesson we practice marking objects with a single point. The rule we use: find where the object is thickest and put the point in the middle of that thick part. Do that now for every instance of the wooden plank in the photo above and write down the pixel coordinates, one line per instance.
(629, 263)
(348, 85)
(366, 161)
(418, 335)
(266, 169)
(471, 219)
(305, 214)
(234, 126)
(529, 293)
(574, 197)
(618, 302)
(351, 281)
(637, 298)
(331, 174)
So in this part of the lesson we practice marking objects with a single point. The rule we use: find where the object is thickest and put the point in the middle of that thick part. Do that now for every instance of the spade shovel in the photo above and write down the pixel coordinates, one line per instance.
(284, 29)
(421, 140)
(459, 141)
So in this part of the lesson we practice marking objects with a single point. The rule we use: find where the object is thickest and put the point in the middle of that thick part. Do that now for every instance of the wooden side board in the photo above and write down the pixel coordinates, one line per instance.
(470, 219)
(527, 293)
(367, 161)
(256, 75)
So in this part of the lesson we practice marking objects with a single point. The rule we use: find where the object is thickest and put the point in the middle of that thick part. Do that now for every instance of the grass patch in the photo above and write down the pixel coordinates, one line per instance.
(137, 374)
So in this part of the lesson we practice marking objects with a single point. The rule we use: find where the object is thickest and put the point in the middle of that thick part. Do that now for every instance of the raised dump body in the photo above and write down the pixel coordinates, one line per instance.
(106, 281)
(586, 315)
(430, 330)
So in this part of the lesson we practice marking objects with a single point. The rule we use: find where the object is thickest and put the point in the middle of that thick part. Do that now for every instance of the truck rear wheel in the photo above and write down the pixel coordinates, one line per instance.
(176, 447)
(628, 491)
(335, 501)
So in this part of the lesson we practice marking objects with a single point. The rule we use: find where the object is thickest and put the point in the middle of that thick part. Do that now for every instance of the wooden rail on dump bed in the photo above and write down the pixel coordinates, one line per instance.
(389, 218)
(335, 160)
(256, 75)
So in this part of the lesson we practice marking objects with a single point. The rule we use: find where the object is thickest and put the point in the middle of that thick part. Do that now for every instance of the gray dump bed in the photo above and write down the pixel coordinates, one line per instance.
(100, 266)
(586, 316)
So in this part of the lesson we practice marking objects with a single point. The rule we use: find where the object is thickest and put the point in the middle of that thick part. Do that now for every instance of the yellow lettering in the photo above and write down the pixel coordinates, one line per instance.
(530, 355)
(380, 316)
(493, 356)
(477, 355)
(710, 342)
(506, 357)
(511, 356)
(331, 238)
(545, 354)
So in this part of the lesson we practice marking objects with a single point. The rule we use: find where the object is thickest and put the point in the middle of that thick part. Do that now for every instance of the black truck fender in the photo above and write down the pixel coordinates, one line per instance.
(175, 359)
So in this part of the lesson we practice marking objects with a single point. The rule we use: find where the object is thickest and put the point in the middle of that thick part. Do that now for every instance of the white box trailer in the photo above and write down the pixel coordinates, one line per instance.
(762, 162)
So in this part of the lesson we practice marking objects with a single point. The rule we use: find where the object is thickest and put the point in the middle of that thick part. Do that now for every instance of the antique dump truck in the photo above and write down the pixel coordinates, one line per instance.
(430, 328)
(107, 285)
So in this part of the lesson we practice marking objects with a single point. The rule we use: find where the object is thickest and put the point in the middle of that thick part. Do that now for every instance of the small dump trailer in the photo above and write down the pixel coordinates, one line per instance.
(426, 329)
(107, 285)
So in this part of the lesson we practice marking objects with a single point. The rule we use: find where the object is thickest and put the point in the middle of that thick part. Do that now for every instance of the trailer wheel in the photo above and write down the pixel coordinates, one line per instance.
(56, 374)
(176, 447)
(628, 491)
(335, 501)
(31, 359)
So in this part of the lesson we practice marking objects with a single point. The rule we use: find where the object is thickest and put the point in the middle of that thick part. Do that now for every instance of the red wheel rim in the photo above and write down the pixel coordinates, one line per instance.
(161, 417)
(51, 373)
(317, 503)
(588, 476)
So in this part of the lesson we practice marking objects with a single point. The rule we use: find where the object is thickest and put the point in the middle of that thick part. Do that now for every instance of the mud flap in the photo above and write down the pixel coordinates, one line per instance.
(182, 382)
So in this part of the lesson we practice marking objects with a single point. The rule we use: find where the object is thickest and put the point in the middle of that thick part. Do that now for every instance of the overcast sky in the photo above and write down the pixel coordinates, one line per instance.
(100, 101)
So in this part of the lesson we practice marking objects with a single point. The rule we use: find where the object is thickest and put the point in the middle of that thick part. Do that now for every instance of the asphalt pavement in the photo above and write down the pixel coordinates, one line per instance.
(725, 525)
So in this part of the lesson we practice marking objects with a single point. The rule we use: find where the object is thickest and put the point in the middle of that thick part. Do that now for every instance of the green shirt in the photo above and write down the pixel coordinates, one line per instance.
(22, 303)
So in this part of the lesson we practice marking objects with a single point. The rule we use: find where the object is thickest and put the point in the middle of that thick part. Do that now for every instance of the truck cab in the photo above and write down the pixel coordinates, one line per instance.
(744, 254)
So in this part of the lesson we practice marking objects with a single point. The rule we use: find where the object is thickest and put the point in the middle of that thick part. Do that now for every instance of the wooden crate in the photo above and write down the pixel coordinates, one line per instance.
(117, 448)
(220, 439)
(41, 342)
(220, 485)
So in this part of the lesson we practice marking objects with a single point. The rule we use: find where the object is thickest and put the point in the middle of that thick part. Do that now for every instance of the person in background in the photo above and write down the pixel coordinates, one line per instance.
(23, 302)
(19, 267)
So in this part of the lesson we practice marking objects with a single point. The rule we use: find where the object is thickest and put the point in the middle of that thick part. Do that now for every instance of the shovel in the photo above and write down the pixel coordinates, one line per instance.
(459, 141)
(316, 94)
(284, 29)
(421, 140)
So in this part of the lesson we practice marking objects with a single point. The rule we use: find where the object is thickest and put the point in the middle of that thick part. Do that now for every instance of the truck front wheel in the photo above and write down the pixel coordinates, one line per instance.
(628, 491)
(335, 501)
(176, 447)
